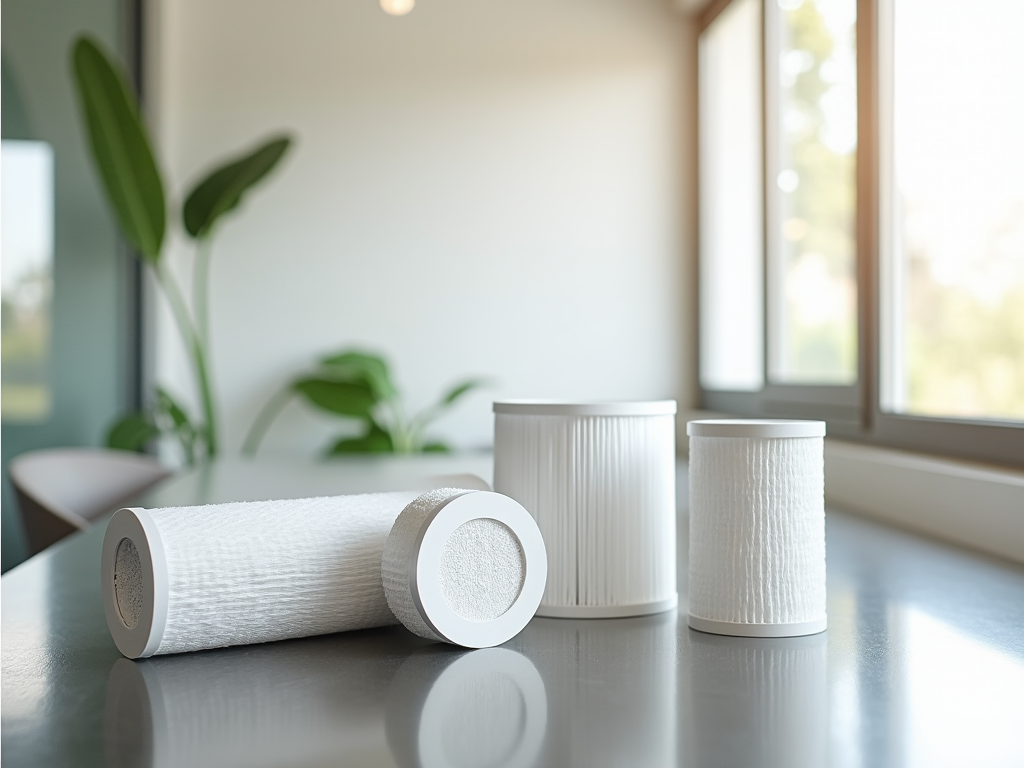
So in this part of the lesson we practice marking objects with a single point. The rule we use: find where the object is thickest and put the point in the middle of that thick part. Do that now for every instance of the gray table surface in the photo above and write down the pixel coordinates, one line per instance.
(922, 665)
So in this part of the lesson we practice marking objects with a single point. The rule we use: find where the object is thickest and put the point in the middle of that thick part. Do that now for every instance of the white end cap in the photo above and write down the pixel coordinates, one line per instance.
(755, 428)
(413, 575)
(144, 637)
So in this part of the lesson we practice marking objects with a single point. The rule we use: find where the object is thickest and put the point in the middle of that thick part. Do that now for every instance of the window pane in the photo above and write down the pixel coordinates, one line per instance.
(731, 201)
(956, 235)
(26, 208)
(813, 256)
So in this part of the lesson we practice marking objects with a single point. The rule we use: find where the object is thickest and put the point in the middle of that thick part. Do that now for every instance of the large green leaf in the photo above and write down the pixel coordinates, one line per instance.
(456, 392)
(361, 367)
(222, 190)
(374, 441)
(132, 432)
(344, 398)
(121, 149)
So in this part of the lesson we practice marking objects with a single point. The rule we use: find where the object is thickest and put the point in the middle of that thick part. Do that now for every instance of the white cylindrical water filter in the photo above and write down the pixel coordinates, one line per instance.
(190, 578)
(600, 480)
(757, 527)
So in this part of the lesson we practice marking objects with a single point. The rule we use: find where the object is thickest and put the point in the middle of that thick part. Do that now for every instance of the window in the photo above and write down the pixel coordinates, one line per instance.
(812, 151)
(862, 219)
(732, 232)
(953, 182)
(27, 265)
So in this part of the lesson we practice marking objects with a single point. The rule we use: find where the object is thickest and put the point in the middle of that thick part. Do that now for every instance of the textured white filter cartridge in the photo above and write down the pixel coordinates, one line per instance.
(600, 480)
(757, 527)
(190, 578)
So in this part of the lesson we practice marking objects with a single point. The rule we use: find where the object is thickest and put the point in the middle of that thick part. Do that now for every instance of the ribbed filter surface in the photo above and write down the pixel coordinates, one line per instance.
(602, 490)
(482, 569)
(128, 585)
(757, 529)
(255, 572)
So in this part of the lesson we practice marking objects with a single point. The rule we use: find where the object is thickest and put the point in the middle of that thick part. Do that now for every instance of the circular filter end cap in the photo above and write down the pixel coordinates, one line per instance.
(133, 575)
(464, 567)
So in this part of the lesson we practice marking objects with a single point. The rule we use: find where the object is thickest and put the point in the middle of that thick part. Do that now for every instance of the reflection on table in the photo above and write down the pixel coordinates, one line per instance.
(612, 688)
(757, 701)
(310, 702)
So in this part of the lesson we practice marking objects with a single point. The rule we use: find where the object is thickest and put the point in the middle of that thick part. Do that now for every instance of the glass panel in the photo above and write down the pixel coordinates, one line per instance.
(26, 208)
(814, 287)
(955, 238)
(731, 201)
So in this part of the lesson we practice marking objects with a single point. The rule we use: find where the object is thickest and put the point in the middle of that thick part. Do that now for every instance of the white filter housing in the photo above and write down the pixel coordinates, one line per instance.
(599, 478)
(757, 527)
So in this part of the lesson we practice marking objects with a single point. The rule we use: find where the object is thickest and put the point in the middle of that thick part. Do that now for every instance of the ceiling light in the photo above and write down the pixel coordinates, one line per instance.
(397, 7)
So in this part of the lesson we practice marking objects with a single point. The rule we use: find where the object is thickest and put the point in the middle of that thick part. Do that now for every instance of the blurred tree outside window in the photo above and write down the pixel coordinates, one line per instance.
(26, 208)
(813, 299)
(956, 184)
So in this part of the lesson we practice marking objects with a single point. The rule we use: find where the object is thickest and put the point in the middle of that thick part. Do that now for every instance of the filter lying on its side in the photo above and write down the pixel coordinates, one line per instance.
(190, 578)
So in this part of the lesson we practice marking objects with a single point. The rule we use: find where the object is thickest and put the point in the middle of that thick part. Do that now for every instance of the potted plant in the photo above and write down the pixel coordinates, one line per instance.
(131, 179)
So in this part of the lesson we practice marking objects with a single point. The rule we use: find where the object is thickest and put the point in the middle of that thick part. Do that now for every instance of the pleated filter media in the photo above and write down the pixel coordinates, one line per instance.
(600, 480)
(757, 527)
(190, 578)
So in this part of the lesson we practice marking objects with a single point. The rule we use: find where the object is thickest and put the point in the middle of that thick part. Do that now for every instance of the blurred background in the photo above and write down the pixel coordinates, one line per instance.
(477, 188)
(507, 193)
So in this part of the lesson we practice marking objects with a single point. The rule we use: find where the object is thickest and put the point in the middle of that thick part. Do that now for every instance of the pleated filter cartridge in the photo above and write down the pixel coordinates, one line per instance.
(600, 480)
(191, 578)
(757, 527)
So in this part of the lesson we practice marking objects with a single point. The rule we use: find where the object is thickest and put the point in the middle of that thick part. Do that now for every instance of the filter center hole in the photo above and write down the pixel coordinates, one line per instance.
(128, 589)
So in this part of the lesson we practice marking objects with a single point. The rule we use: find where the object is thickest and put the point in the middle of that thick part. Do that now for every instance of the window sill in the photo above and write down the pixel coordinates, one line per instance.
(968, 504)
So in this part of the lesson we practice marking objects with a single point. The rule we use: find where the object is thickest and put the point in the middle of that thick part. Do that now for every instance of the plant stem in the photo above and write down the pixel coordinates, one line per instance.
(402, 436)
(264, 420)
(200, 289)
(198, 351)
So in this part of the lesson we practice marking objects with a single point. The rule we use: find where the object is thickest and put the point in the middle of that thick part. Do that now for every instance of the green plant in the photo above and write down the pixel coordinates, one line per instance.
(357, 386)
(122, 152)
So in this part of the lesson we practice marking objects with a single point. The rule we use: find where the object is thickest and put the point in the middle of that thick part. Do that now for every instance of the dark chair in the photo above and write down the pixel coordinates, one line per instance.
(63, 490)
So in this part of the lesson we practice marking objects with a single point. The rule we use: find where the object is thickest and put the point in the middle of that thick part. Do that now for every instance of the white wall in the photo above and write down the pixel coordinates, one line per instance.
(494, 187)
